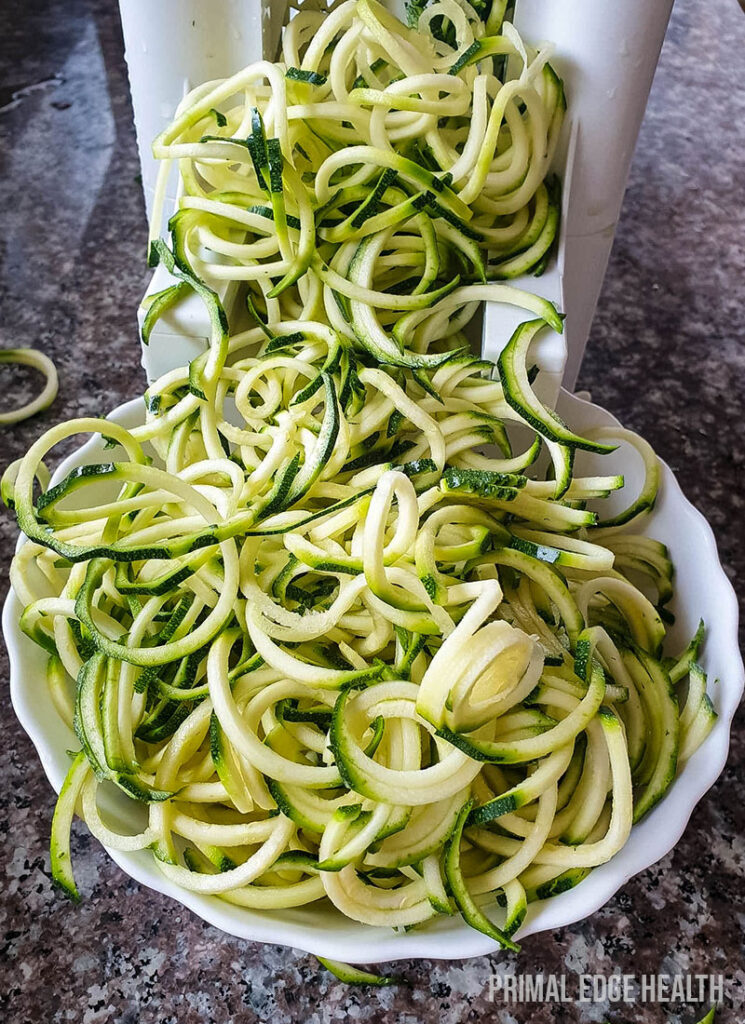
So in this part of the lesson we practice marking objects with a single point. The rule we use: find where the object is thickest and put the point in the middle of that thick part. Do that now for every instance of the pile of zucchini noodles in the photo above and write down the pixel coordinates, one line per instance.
(379, 179)
(315, 615)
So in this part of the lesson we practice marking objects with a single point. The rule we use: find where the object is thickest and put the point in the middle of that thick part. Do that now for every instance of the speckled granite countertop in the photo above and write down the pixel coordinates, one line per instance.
(667, 356)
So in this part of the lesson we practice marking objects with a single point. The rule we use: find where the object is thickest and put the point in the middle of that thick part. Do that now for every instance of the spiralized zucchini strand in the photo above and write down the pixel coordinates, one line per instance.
(37, 360)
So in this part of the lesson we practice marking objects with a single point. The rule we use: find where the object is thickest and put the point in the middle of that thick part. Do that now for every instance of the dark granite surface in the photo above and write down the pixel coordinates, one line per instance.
(667, 355)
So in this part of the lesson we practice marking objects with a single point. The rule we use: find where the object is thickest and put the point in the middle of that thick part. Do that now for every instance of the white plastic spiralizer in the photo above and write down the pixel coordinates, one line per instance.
(606, 53)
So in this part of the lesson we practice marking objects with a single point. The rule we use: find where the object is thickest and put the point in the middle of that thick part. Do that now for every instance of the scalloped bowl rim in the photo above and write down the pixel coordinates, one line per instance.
(325, 932)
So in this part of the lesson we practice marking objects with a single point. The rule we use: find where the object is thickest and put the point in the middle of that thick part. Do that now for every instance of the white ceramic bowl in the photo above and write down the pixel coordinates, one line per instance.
(702, 591)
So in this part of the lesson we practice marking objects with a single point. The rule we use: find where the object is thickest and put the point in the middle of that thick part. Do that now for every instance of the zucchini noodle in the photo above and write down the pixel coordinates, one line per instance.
(38, 361)
(313, 614)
